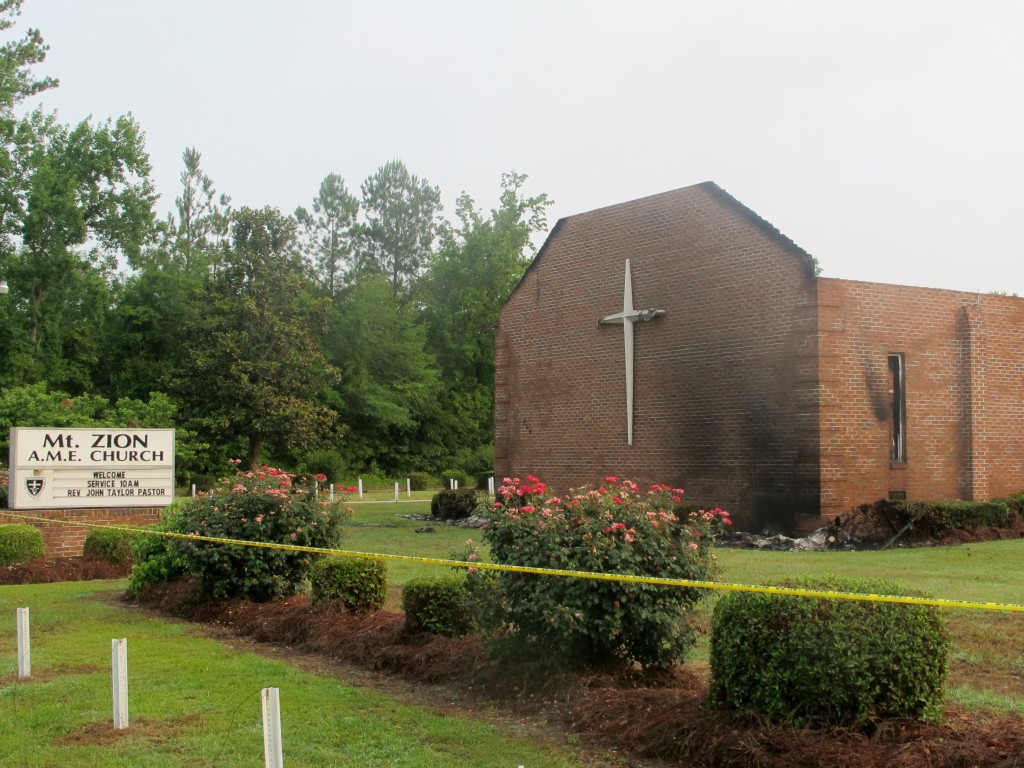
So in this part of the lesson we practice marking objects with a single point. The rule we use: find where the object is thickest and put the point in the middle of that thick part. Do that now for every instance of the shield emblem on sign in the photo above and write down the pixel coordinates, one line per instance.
(34, 485)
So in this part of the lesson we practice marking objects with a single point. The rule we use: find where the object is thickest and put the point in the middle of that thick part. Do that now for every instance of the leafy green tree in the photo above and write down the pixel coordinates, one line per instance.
(87, 200)
(402, 216)
(329, 232)
(145, 331)
(473, 272)
(16, 84)
(72, 199)
(390, 384)
(254, 369)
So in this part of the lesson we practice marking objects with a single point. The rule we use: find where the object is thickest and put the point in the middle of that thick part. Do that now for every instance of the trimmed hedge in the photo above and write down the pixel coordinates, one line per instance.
(455, 505)
(439, 604)
(110, 545)
(824, 662)
(19, 543)
(358, 583)
(933, 518)
(1014, 502)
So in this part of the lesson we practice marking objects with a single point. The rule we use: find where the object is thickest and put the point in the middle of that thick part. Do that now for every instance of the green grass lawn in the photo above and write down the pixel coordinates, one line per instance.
(380, 528)
(988, 572)
(194, 701)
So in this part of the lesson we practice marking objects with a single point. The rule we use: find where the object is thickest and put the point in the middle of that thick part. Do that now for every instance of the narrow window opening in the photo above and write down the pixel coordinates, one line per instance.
(897, 421)
(897, 495)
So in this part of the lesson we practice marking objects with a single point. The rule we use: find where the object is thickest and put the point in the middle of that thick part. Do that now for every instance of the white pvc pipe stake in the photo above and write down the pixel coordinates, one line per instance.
(456, 484)
(193, 489)
(396, 493)
(451, 483)
(490, 485)
(408, 487)
(24, 646)
(332, 493)
(360, 487)
(273, 754)
(119, 662)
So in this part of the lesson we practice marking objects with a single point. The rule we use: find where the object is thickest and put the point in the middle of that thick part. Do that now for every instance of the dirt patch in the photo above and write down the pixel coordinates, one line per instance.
(46, 570)
(51, 673)
(103, 734)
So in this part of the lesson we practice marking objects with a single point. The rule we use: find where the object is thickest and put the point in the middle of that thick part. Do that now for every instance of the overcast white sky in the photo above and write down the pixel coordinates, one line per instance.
(886, 138)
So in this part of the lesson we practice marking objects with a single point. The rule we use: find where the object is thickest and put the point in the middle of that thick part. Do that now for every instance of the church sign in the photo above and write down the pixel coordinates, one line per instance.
(54, 468)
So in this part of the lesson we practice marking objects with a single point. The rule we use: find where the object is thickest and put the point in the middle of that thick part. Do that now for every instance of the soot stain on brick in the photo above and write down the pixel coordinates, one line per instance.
(875, 384)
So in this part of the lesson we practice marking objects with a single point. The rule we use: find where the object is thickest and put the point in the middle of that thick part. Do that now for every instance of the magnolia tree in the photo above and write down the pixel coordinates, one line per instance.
(613, 529)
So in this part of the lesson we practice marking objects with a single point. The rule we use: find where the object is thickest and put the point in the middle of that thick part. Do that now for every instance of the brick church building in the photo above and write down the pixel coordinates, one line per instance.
(681, 338)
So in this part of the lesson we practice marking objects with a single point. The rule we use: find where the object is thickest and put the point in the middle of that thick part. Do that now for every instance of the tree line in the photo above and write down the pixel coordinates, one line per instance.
(353, 335)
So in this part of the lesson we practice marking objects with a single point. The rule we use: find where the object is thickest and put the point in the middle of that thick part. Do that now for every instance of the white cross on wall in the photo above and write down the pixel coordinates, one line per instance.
(626, 318)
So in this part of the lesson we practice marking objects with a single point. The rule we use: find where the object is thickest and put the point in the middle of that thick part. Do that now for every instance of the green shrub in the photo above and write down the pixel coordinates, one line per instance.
(611, 529)
(933, 518)
(825, 662)
(19, 543)
(157, 558)
(330, 464)
(438, 604)
(457, 475)
(373, 480)
(419, 481)
(358, 583)
(454, 505)
(262, 506)
(111, 545)
(1014, 502)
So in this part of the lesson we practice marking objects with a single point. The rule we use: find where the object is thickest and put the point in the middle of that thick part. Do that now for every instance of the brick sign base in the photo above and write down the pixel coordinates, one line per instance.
(61, 539)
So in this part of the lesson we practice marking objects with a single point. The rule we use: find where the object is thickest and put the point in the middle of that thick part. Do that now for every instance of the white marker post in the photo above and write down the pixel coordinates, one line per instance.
(396, 493)
(490, 485)
(360, 487)
(119, 663)
(332, 493)
(408, 487)
(273, 753)
(24, 646)
(193, 490)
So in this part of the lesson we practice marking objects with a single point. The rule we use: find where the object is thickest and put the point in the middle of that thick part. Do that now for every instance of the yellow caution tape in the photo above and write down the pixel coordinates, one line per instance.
(619, 577)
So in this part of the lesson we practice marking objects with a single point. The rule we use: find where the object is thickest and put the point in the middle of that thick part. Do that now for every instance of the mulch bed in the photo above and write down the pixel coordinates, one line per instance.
(46, 570)
(640, 718)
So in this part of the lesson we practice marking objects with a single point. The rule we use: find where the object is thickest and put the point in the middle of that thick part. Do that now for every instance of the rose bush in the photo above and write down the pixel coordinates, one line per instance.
(263, 506)
(614, 528)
